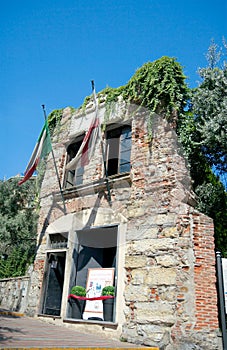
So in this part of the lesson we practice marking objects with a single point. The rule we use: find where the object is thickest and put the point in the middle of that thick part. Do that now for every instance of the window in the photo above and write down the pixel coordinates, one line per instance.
(95, 248)
(118, 150)
(74, 177)
(58, 240)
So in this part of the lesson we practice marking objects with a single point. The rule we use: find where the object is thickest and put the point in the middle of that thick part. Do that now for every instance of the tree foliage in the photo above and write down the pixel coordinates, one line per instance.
(209, 103)
(203, 133)
(18, 225)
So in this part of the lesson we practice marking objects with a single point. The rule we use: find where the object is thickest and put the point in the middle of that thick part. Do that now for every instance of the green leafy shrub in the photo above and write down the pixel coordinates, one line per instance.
(79, 291)
(108, 290)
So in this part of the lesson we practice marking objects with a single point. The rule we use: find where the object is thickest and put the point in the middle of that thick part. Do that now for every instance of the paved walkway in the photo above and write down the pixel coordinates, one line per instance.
(21, 332)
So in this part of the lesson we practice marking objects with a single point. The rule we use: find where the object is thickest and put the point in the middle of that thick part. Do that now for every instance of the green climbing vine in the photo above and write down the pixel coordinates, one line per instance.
(159, 86)
(54, 119)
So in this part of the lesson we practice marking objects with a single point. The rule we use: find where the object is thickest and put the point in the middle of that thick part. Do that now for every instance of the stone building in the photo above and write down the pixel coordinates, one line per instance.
(139, 223)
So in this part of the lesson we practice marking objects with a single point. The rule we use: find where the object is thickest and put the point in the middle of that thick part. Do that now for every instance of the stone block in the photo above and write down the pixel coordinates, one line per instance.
(136, 293)
(168, 293)
(170, 232)
(153, 334)
(150, 247)
(166, 260)
(135, 261)
(143, 231)
(160, 276)
(156, 313)
(136, 212)
(162, 219)
(138, 276)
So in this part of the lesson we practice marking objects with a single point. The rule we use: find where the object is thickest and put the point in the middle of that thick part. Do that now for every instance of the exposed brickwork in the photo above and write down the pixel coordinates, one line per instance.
(205, 292)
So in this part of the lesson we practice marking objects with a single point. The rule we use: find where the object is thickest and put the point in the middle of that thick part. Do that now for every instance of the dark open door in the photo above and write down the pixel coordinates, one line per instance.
(54, 284)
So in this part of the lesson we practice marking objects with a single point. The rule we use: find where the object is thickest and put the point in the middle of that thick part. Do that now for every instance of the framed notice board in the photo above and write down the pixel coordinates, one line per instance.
(97, 279)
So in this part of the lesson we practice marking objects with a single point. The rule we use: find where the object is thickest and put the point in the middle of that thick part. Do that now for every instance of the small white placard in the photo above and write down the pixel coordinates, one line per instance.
(97, 279)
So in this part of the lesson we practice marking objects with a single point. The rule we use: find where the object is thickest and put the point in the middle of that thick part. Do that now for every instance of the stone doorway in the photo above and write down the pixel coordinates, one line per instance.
(54, 283)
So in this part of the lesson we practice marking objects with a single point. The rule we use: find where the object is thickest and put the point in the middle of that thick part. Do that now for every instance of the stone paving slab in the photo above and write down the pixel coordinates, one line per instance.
(21, 332)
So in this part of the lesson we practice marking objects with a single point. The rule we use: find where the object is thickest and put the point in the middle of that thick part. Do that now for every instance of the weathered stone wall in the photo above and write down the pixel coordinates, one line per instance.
(14, 293)
(168, 275)
(170, 288)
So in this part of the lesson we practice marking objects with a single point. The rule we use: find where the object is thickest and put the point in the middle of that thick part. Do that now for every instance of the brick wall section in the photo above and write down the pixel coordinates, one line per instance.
(196, 306)
(205, 291)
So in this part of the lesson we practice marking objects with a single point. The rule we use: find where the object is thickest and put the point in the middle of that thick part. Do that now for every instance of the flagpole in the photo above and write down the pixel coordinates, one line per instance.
(55, 166)
(103, 157)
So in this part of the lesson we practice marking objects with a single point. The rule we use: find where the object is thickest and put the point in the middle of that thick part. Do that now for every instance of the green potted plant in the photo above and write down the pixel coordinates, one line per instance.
(108, 303)
(77, 304)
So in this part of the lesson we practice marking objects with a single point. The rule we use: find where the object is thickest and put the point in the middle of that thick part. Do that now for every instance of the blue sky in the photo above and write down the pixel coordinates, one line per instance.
(52, 49)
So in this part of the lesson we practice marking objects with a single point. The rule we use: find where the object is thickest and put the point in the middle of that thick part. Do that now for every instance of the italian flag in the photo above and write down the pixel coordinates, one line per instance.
(42, 148)
(87, 147)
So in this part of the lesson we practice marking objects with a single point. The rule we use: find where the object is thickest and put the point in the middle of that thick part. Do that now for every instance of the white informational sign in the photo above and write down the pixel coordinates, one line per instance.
(224, 269)
(97, 279)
